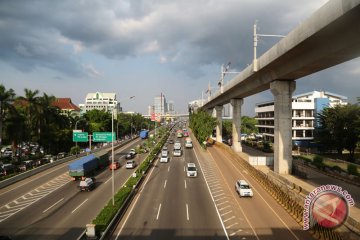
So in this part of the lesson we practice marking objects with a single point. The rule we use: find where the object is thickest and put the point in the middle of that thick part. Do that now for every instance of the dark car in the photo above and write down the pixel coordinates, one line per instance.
(130, 155)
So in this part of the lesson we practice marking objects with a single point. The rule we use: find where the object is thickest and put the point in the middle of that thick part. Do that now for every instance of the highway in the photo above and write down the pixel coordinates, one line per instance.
(49, 205)
(172, 206)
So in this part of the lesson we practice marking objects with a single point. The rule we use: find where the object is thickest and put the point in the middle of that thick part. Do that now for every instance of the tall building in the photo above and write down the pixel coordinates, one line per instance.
(151, 110)
(100, 101)
(170, 107)
(160, 105)
(305, 108)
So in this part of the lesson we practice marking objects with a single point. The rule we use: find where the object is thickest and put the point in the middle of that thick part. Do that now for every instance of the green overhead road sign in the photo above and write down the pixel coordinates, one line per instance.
(80, 137)
(103, 137)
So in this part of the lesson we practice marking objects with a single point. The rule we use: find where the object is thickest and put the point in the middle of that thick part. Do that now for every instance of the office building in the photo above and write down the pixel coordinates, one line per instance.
(100, 101)
(305, 108)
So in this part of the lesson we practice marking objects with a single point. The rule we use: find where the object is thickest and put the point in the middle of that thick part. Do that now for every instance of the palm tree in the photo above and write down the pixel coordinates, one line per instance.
(31, 106)
(6, 99)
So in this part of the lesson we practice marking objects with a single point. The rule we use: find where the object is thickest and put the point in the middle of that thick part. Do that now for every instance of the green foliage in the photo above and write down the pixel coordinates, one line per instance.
(75, 150)
(352, 169)
(318, 161)
(202, 125)
(248, 125)
(339, 128)
(104, 218)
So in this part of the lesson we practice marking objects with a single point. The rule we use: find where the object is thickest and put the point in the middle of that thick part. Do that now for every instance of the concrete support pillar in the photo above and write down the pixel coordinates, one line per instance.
(282, 91)
(219, 110)
(236, 124)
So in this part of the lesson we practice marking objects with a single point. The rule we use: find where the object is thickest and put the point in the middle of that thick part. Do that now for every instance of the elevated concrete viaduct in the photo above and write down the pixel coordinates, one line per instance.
(329, 37)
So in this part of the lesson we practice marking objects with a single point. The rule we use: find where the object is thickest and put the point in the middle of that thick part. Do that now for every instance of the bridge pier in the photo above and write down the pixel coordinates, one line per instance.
(218, 112)
(236, 124)
(282, 91)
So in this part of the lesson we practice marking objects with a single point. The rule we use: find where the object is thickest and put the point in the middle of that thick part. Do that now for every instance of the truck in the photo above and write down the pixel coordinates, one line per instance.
(88, 165)
(144, 134)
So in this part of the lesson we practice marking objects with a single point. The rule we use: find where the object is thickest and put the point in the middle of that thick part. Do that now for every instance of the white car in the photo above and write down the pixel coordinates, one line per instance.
(177, 153)
(130, 164)
(191, 170)
(243, 188)
(164, 159)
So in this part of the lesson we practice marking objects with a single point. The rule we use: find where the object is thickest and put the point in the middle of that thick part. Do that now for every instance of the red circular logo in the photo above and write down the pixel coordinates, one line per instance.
(329, 209)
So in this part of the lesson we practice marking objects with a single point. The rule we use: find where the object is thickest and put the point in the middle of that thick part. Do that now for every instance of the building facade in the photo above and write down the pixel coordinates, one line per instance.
(101, 101)
(66, 106)
(160, 105)
(305, 108)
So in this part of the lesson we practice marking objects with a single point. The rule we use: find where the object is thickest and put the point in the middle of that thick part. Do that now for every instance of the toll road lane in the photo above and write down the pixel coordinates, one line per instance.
(167, 208)
(268, 218)
(62, 211)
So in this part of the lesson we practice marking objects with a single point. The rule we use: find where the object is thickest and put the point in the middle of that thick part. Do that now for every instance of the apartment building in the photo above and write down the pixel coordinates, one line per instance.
(305, 108)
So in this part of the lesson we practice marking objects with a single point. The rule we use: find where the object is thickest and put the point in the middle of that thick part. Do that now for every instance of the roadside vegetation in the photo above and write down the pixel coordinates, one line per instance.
(202, 125)
(31, 126)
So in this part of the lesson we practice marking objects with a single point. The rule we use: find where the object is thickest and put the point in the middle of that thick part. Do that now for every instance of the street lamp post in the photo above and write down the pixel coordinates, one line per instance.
(255, 63)
(112, 154)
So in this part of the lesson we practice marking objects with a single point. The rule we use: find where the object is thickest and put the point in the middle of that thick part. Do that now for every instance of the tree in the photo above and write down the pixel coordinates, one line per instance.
(248, 125)
(31, 107)
(202, 124)
(6, 99)
(339, 128)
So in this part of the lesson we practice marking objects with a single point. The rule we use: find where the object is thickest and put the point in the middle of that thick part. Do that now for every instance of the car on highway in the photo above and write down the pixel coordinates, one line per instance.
(191, 170)
(171, 141)
(132, 151)
(243, 188)
(164, 159)
(177, 153)
(130, 164)
(130, 155)
(87, 184)
(115, 165)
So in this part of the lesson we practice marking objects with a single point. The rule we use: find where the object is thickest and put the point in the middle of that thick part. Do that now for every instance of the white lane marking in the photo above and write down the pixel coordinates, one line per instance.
(226, 213)
(184, 168)
(169, 169)
(224, 207)
(79, 205)
(229, 219)
(187, 212)
(165, 184)
(221, 190)
(212, 198)
(232, 234)
(263, 199)
(220, 199)
(134, 204)
(107, 180)
(227, 227)
(157, 216)
(185, 183)
(222, 203)
(215, 196)
(52, 205)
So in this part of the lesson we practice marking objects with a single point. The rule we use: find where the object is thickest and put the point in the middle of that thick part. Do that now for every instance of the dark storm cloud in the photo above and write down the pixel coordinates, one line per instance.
(187, 33)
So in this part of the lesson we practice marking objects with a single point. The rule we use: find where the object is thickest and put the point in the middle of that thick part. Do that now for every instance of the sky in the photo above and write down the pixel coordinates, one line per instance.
(143, 48)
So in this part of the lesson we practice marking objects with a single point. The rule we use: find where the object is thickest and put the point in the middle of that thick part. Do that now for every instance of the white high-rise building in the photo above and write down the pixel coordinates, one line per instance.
(305, 108)
(101, 101)
(160, 105)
